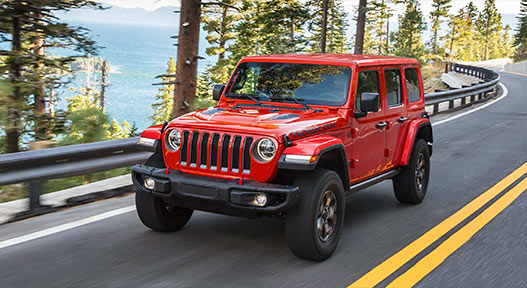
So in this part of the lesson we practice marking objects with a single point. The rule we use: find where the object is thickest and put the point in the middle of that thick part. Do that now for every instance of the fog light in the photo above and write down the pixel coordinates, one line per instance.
(150, 183)
(260, 199)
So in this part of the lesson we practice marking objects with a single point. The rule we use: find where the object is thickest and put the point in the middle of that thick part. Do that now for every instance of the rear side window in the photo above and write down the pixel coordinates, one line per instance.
(394, 94)
(368, 83)
(412, 84)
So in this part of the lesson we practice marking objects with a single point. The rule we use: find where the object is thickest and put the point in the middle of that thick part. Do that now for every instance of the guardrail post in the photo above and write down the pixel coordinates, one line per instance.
(450, 104)
(34, 191)
(436, 108)
(481, 95)
(472, 98)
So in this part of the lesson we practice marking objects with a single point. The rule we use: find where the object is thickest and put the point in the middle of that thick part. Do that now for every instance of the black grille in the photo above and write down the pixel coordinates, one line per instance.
(216, 151)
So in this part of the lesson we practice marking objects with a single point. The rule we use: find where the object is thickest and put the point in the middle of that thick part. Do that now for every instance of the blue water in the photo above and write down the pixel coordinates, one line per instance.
(138, 53)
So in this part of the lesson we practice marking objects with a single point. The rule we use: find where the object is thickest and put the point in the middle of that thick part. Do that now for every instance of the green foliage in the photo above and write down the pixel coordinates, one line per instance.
(376, 32)
(520, 39)
(26, 27)
(440, 11)
(86, 125)
(336, 28)
(488, 26)
(165, 97)
(408, 38)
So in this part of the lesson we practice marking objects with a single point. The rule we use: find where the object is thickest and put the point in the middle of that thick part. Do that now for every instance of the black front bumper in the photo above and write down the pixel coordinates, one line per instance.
(214, 194)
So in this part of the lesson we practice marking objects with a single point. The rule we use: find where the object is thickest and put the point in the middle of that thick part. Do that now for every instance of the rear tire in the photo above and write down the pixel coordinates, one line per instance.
(314, 224)
(411, 184)
(154, 212)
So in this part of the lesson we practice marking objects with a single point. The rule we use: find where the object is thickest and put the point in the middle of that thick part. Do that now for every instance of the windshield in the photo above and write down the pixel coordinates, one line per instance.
(309, 83)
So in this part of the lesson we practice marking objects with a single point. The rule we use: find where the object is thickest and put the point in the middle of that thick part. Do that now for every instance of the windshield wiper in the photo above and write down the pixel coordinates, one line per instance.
(245, 96)
(289, 98)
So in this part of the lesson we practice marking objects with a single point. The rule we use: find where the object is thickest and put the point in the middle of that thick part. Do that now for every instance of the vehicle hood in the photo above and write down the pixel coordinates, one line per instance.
(262, 121)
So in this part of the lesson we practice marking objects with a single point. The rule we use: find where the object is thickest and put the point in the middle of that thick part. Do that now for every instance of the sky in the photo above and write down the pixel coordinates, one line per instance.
(504, 6)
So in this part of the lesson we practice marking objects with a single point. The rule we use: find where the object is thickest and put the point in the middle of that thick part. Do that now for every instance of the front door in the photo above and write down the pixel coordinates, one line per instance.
(368, 132)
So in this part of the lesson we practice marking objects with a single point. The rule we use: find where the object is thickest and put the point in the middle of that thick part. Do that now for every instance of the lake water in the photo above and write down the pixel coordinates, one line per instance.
(139, 53)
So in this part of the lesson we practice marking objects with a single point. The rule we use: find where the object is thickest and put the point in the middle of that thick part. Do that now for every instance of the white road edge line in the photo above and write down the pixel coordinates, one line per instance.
(116, 212)
(64, 227)
(505, 93)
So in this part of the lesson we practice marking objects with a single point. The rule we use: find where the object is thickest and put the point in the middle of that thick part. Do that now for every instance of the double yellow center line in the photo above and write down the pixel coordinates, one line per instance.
(454, 242)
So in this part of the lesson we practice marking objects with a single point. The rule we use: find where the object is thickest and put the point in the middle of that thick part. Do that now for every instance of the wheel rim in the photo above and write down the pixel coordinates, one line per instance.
(327, 216)
(420, 170)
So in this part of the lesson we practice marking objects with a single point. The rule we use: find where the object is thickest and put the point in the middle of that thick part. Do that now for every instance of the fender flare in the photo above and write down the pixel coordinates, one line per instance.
(416, 128)
(155, 133)
(318, 147)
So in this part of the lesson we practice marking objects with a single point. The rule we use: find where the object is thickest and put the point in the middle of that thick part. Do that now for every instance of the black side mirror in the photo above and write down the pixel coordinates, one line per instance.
(369, 102)
(217, 90)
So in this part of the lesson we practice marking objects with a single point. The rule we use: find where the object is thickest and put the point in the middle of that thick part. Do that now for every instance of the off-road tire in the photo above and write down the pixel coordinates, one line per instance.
(303, 235)
(154, 212)
(408, 189)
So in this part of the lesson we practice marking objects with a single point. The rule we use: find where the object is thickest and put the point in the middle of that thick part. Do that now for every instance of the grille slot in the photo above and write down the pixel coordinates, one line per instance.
(204, 147)
(247, 155)
(236, 154)
(194, 149)
(184, 148)
(225, 153)
(214, 151)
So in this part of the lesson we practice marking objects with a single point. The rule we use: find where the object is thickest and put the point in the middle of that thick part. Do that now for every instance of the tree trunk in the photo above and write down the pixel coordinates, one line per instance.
(324, 27)
(51, 106)
(13, 114)
(292, 35)
(40, 92)
(361, 23)
(221, 56)
(103, 82)
(187, 62)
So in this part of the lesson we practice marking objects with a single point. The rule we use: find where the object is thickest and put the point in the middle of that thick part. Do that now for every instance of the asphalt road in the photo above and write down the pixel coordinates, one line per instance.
(471, 154)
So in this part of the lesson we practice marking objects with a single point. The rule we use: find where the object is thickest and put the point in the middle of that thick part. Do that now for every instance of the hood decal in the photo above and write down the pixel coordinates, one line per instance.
(313, 130)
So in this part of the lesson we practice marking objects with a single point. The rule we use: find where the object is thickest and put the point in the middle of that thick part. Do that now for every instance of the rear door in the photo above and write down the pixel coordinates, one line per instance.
(368, 140)
(395, 116)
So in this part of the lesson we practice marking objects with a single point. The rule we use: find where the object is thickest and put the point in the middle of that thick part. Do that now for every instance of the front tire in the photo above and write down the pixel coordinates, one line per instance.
(411, 184)
(314, 225)
(154, 212)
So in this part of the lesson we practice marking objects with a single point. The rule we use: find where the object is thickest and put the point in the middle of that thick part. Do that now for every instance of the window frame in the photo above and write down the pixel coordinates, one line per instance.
(357, 96)
(418, 83)
(401, 94)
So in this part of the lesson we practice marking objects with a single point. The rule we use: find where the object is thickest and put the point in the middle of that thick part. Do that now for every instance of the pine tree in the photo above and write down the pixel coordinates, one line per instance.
(218, 20)
(520, 39)
(376, 32)
(336, 26)
(487, 26)
(440, 11)
(408, 37)
(31, 26)
(164, 98)
(460, 39)
(269, 27)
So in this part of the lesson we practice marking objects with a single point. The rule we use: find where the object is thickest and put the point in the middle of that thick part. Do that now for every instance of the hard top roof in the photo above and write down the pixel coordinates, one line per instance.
(359, 60)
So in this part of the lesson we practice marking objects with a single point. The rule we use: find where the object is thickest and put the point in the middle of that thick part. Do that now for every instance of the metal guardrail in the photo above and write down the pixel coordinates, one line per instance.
(40, 165)
(489, 81)
(59, 162)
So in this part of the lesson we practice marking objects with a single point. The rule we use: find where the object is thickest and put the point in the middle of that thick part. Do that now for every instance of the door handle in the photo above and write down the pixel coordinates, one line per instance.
(402, 119)
(381, 125)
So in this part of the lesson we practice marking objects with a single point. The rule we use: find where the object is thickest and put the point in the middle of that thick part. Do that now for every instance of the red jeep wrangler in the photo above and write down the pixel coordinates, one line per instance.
(291, 136)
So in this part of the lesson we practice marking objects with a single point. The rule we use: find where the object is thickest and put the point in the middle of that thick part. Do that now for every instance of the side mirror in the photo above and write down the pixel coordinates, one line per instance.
(369, 102)
(217, 90)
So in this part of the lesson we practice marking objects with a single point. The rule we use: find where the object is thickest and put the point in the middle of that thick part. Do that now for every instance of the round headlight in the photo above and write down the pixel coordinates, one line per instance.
(265, 149)
(174, 140)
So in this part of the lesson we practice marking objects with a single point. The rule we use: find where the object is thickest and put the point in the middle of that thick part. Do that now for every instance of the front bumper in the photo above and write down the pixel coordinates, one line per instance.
(214, 194)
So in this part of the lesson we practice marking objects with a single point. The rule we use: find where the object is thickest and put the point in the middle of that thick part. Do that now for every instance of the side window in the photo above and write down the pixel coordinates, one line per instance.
(412, 84)
(368, 83)
(394, 93)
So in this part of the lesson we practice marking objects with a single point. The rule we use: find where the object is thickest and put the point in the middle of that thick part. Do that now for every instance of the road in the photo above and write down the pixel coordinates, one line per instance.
(471, 154)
